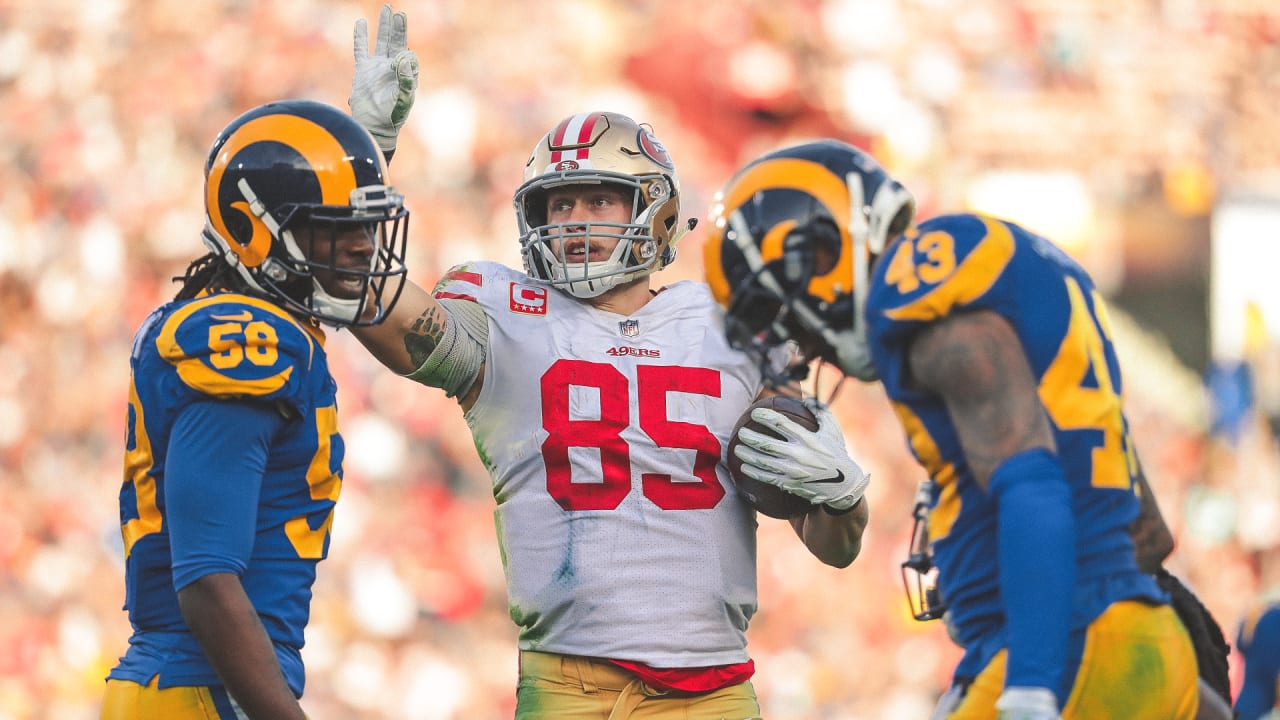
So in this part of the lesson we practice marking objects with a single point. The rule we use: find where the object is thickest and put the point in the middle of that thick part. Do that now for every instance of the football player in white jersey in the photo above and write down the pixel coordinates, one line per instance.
(602, 408)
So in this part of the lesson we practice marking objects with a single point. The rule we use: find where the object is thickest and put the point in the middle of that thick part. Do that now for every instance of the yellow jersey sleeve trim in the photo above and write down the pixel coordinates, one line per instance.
(972, 278)
(196, 374)
(944, 514)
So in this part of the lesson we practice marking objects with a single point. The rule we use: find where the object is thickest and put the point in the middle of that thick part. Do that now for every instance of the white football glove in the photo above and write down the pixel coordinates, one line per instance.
(1027, 703)
(813, 465)
(385, 83)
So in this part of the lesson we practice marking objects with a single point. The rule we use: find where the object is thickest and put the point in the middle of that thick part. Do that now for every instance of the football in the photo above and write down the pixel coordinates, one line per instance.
(765, 498)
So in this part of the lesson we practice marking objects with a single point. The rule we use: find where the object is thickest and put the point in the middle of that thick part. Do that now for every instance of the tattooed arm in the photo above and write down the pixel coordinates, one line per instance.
(975, 362)
(405, 339)
(422, 341)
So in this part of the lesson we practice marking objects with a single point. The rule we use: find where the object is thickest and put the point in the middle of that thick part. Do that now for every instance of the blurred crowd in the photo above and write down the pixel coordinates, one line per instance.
(107, 108)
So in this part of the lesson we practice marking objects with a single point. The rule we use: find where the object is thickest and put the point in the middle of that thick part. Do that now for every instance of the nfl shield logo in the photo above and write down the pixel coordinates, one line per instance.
(629, 328)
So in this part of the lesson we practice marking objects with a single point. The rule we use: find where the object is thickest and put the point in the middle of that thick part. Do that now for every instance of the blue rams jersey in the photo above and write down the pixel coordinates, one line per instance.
(962, 263)
(1259, 642)
(226, 347)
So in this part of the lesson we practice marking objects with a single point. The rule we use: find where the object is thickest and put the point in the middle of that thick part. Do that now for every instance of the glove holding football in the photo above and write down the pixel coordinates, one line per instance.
(813, 465)
(385, 83)
(1027, 703)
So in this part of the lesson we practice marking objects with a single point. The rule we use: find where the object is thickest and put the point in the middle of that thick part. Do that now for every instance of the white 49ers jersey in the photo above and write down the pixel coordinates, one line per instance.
(622, 535)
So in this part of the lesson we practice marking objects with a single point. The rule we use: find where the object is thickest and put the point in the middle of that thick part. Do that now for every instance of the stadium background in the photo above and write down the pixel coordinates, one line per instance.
(1120, 127)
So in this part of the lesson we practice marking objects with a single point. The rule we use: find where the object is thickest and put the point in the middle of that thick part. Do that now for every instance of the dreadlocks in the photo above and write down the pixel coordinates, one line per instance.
(207, 272)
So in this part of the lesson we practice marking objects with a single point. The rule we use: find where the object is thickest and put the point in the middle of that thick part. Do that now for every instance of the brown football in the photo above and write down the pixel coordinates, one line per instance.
(765, 498)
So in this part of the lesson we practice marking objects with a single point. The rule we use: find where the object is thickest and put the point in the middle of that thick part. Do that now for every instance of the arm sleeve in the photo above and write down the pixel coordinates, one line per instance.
(217, 456)
(1036, 551)
(455, 362)
(1261, 668)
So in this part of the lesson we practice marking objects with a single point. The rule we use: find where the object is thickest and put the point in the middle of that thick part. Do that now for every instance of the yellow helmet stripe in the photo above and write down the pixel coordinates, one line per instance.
(310, 140)
(816, 180)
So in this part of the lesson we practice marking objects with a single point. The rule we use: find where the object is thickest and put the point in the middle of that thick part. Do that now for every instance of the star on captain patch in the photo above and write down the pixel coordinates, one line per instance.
(629, 328)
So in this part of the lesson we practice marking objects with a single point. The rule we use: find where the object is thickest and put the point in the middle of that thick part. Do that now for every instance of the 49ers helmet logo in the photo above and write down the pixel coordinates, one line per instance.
(653, 149)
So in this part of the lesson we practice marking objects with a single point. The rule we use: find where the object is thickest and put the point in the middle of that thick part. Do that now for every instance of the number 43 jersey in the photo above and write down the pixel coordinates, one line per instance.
(962, 263)
(622, 536)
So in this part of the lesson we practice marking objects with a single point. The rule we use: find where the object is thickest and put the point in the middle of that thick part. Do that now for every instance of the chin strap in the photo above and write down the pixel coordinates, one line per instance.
(335, 311)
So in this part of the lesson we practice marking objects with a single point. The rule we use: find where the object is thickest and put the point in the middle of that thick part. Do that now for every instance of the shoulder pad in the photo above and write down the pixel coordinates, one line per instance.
(462, 282)
(943, 264)
(231, 345)
(492, 286)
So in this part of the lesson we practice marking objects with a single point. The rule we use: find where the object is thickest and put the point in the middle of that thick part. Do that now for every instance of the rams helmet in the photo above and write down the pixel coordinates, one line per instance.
(285, 174)
(794, 235)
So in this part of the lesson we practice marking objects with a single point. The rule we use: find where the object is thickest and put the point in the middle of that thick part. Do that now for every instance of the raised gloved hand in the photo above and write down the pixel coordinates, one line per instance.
(1027, 703)
(811, 464)
(385, 83)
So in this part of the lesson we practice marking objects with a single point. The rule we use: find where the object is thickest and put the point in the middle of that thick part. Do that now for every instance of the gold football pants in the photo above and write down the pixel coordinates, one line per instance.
(565, 687)
(126, 700)
(1138, 664)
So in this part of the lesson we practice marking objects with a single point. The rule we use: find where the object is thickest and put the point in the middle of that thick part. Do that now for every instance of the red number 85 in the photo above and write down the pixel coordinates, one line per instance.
(653, 382)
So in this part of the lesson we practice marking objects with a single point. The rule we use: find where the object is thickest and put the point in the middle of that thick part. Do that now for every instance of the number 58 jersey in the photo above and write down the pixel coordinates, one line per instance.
(265, 515)
(963, 263)
(622, 535)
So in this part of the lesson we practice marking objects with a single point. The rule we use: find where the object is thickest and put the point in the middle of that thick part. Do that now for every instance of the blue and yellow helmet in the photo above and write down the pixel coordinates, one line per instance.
(285, 166)
(793, 236)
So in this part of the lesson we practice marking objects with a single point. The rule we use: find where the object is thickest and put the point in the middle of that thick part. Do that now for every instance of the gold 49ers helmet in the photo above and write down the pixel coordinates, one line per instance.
(794, 235)
(595, 148)
(295, 164)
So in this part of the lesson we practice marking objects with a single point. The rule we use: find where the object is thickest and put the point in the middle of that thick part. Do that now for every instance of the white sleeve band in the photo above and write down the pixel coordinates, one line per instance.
(455, 363)
(470, 315)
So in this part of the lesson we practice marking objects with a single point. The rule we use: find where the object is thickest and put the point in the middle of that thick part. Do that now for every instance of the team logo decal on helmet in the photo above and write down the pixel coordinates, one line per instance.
(795, 235)
(299, 174)
(828, 191)
(654, 150)
(310, 141)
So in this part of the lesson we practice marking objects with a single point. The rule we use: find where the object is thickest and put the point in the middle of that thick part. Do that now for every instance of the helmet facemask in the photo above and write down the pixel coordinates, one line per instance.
(772, 306)
(599, 149)
(546, 246)
(355, 287)
(308, 251)
(297, 203)
(801, 229)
